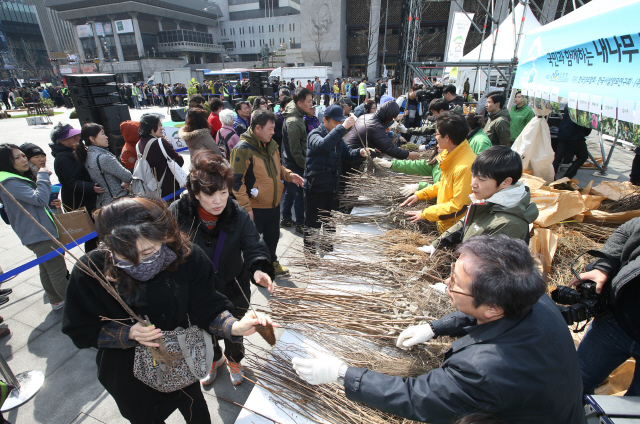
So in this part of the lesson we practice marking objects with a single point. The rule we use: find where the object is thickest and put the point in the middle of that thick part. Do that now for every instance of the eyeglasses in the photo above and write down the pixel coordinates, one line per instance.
(437, 134)
(263, 103)
(145, 260)
(452, 282)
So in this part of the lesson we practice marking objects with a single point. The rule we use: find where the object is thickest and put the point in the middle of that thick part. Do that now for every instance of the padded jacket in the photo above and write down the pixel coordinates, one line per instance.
(498, 128)
(77, 186)
(294, 138)
(257, 165)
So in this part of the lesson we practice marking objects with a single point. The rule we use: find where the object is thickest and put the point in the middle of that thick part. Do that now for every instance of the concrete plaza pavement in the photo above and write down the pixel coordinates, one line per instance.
(71, 392)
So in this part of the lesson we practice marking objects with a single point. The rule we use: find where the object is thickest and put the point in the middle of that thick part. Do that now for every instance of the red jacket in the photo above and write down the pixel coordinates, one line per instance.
(310, 87)
(214, 123)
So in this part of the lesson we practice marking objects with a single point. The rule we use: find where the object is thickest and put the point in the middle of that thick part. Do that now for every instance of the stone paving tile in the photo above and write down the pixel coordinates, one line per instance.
(20, 335)
(23, 296)
(39, 315)
(85, 419)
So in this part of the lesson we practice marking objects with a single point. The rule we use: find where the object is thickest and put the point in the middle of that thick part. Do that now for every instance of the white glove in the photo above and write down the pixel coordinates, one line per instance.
(422, 148)
(414, 335)
(321, 370)
(382, 162)
(439, 287)
(401, 128)
(409, 189)
(430, 250)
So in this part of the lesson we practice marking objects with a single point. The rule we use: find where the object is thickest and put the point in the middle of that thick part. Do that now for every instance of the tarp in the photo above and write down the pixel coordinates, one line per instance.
(591, 50)
(505, 46)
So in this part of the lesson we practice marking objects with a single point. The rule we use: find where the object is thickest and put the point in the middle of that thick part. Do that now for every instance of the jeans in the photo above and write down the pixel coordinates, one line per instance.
(604, 348)
(293, 196)
(53, 273)
(579, 148)
(267, 223)
(136, 102)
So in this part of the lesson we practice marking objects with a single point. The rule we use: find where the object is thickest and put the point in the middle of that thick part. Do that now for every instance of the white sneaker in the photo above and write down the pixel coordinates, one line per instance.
(58, 305)
(213, 372)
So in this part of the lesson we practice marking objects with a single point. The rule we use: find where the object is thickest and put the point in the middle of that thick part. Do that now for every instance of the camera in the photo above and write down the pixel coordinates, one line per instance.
(584, 303)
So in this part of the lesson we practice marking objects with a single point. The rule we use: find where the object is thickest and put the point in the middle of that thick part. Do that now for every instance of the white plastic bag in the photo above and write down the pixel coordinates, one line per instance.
(534, 147)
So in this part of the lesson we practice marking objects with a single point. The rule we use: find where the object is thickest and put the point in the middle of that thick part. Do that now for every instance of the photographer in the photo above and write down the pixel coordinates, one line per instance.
(515, 358)
(613, 338)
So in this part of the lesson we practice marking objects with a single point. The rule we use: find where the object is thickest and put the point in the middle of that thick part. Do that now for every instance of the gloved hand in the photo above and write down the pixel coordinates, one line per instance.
(382, 162)
(409, 189)
(401, 128)
(414, 335)
(321, 370)
(439, 287)
(422, 147)
(430, 250)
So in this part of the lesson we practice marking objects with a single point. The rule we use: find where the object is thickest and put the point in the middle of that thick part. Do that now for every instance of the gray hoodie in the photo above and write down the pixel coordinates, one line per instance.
(112, 176)
(34, 197)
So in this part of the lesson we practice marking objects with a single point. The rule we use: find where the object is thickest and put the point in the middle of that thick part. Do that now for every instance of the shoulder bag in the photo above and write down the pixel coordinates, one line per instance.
(179, 174)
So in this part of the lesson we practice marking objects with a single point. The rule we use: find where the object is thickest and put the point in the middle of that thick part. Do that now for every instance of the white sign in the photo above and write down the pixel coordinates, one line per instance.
(458, 36)
(595, 104)
(554, 94)
(636, 119)
(545, 92)
(573, 100)
(625, 110)
(609, 107)
(72, 58)
(124, 27)
(107, 28)
(84, 31)
(99, 29)
(583, 102)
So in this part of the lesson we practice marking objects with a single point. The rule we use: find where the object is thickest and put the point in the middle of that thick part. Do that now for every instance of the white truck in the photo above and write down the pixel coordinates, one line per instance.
(173, 76)
(302, 74)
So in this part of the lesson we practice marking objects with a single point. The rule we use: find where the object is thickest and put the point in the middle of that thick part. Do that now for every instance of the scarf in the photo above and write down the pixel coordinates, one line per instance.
(145, 272)
(208, 219)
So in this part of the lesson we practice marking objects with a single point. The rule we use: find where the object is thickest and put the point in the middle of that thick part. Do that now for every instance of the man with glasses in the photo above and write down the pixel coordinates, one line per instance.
(514, 359)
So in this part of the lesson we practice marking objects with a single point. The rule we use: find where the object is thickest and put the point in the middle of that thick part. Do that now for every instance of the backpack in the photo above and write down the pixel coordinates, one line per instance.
(223, 144)
(144, 180)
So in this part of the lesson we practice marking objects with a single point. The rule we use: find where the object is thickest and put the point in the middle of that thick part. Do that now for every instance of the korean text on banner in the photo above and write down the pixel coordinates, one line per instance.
(458, 36)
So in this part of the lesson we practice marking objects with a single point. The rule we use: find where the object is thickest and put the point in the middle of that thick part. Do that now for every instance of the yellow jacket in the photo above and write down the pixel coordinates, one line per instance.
(453, 189)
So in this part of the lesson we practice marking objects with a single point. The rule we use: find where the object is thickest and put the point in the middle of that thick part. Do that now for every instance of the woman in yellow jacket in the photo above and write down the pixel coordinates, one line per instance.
(453, 189)
(336, 90)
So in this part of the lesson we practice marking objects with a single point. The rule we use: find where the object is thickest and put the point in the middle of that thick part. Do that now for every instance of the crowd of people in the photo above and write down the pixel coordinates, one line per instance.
(191, 259)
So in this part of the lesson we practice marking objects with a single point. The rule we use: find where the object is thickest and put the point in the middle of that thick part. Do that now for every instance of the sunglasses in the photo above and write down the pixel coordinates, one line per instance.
(146, 260)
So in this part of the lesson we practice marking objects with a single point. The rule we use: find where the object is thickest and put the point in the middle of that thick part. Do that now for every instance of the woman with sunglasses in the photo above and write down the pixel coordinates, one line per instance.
(259, 104)
(160, 274)
(213, 221)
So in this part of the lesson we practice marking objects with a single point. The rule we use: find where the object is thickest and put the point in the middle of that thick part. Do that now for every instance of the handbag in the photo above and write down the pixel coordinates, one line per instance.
(73, 225)
(179, 174)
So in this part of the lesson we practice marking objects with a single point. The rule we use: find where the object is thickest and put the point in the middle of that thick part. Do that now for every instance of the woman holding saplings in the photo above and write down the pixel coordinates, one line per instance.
(226, 233)
(161, 275)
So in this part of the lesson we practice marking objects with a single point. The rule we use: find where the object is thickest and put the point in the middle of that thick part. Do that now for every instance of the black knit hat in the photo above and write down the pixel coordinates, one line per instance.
(30, 150)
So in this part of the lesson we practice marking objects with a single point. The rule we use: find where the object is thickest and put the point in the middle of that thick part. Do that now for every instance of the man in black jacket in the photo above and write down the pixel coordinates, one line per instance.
(571, 137)
(449, 94)
(515, 358)
(325, 152)
(613, 338)
(326, 92)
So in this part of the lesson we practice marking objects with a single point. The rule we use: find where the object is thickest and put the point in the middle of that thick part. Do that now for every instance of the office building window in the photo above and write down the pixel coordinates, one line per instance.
(294, 26)
(129, 47)
(224, 32)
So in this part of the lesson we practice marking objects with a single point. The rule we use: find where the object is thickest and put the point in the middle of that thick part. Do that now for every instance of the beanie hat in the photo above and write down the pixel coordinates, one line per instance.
(30, 150)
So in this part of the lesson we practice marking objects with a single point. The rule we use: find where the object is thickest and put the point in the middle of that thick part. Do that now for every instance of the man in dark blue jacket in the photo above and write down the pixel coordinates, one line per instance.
(325, 152)
(515, 358)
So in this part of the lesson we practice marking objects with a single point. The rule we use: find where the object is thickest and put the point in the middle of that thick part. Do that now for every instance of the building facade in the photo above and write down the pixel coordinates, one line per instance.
(136, 38)
(22, 46)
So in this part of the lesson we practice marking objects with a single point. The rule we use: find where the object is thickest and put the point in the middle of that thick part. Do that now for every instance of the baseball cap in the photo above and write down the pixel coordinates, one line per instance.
(334, 112)
(67, 131)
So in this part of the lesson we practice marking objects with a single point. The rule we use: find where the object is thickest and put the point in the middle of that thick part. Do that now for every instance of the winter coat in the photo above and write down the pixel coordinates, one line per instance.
(231, 143)
(294, 138)
(170, 300)
(256, 165)
(453, 189)
(198, 139)
(523, 371)
(244, 251)
(326, 88)
(359, 110)
(569, 130)
(402, 103)
(129, 130)
(325, 153)
(77, 185)
(508, 212)
(370, 128)
(498, 128)
(478, 141)
(158, 163)
(623, 264)
(109, 174)
(316, 88)
(520, 117)
(457, 101)
(34, 197)
(214, 123)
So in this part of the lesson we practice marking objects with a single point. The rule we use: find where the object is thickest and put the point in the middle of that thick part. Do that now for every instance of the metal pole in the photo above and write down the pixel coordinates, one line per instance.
(8, 374)
(484, 30)
(384, 45)
(26, 384)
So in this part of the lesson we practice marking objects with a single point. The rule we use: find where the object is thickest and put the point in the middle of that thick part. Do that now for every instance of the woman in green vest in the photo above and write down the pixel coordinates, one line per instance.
(33, 197)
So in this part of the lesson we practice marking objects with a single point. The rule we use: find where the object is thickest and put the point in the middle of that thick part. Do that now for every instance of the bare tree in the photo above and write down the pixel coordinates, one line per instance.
(320, 26)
